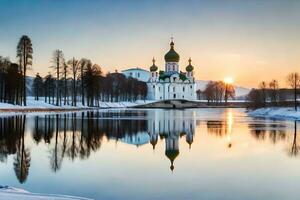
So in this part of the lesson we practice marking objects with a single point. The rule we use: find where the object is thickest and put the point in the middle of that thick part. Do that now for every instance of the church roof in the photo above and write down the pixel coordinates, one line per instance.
(163, 75)
(153, 68)
(190, 67)
(172, 55)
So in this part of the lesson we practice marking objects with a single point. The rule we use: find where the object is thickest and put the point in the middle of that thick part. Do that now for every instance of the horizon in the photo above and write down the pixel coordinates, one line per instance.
(235, 39)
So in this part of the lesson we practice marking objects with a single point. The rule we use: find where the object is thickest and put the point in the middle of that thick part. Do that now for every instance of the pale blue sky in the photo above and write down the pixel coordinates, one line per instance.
(248, 40)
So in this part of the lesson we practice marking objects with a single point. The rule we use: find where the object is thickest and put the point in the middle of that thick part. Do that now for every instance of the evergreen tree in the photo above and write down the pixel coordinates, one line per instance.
(24, 54)
(37, 86)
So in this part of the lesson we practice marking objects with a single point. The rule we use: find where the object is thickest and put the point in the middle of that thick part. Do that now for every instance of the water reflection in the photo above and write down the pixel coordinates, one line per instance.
(170, 126)
(274, 129)
(222, 128)
(294, 150)
(76, 135)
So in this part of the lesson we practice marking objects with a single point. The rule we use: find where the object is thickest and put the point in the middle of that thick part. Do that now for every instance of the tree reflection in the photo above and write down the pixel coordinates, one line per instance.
(258, 131)
(9, 136)
(272, 131)
(56, 154)
(294, 150)
(217, 128)
(22, 157)
(78, 135)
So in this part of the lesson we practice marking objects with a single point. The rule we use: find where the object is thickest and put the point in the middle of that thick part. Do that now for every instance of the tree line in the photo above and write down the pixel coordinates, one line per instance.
(69, 82)
(13, 75)
(217, 92)
(270, 93)
(82, 81)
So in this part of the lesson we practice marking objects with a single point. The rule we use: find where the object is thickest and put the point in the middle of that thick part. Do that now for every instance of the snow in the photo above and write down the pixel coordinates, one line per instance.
(34, 104)
(277, 113)
(10, 193)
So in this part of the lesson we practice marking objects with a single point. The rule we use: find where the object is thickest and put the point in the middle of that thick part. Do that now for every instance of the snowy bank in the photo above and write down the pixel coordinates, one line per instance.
(10, 193)
(278, 113)
(41, 105)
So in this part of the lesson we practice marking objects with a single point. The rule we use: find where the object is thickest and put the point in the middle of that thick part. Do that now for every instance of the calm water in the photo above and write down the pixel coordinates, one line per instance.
(152, 154)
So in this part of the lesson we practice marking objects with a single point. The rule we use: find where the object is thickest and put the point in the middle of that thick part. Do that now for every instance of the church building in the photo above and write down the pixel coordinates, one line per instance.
(171, 83)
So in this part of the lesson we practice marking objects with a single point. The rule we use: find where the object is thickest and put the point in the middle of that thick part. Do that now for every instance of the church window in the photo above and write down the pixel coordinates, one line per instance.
(183, 88)
(191, 86)
(138, 74)
(158, 88)
(174, 96)
(173, 89)
(173, 67)
(153, 86)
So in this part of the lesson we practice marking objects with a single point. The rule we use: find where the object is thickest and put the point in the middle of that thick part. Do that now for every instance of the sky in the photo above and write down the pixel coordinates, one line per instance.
(250, 41)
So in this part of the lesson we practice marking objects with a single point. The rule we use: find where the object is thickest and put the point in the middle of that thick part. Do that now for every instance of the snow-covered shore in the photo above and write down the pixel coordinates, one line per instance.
(276, 113)
(10, 193)
(34, 105)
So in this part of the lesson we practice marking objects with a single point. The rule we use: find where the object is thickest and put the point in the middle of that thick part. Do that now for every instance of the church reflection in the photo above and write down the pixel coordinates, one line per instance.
(72, 136)
(171, 126)
(77, 135)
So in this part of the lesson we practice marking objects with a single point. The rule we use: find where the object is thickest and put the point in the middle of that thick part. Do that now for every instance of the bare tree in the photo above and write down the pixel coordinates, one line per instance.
(229, 91)
(58, 60)
(74, 68)
(65, 73)
(263, 89)
(293, 80)
(83, 63)
(274, 90)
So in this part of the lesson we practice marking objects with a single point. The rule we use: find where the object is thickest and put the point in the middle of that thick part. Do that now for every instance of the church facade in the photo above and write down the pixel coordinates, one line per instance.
(171, 83)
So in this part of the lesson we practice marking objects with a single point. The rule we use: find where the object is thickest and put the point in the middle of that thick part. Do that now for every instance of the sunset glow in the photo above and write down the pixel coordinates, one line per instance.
(228, 80)
(222, 38)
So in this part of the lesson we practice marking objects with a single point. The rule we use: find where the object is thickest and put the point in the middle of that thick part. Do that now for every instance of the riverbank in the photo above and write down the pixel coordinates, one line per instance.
(182, 103)
(41, 106)
(276, 113)
(10, 193)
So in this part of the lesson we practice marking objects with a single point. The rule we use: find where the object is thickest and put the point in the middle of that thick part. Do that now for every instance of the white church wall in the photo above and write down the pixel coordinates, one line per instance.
(138, 73)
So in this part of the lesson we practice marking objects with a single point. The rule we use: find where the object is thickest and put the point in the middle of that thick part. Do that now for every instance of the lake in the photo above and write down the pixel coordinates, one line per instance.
(152, 154)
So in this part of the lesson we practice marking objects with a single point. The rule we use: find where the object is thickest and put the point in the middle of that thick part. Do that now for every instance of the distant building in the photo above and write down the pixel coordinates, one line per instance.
(172, 83)
(138, 73)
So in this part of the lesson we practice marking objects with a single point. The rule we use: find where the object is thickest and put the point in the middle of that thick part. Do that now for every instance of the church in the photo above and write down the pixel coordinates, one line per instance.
(171, 83)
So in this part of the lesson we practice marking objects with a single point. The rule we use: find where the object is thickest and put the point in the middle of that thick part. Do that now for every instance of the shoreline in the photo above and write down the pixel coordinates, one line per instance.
(11, 193)
(284, 113)
(40, 106)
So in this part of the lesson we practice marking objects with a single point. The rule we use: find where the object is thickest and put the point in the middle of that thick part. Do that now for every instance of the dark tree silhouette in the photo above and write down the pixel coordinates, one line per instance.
(65, 73)
(37, 86)
(22, 158)
(74, 65)
(293, 79)
(58, 60)
(24, 54)
(274, 91)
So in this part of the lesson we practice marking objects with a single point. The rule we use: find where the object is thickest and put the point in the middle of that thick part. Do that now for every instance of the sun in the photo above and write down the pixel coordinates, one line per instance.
(228, 80)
